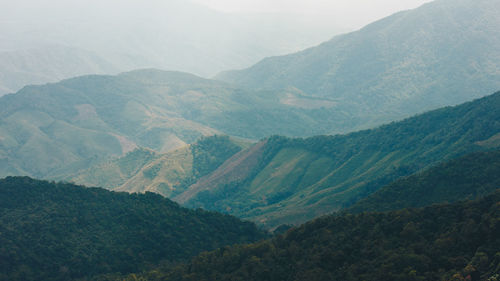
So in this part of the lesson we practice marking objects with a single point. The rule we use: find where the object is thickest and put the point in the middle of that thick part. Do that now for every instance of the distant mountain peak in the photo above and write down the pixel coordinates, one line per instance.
(442, 53)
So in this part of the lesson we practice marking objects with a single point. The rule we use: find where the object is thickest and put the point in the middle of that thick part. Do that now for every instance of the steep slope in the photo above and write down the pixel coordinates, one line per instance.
(474, 175)
(58, 128)
(295, 180)
(446, 242)
(115, 172)
(230, 174)
(55, 130)
(446, 52)
(167, 174)
(55, 231)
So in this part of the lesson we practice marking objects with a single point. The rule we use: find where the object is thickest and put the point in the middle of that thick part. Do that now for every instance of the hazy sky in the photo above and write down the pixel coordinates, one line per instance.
(183, 34)
(350, 13)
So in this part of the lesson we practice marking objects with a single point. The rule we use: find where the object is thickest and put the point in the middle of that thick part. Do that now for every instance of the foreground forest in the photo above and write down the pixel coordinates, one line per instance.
(52, 231)
(442, 242)
(57, 231)
(374, 156)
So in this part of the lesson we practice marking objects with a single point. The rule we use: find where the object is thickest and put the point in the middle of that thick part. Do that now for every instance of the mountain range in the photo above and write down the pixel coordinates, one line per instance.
(54, 130)
(291, 180)
(126, 35)
(57, 130)
(283, 180)
(445, 52)
(372, 156)
(48, 64)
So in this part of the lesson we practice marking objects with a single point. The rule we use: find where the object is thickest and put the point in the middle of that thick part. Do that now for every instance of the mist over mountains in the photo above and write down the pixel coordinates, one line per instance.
(404, 64)
(47, 64)
(348, 153)
(53, 130)
(126, 35)
(442, 53)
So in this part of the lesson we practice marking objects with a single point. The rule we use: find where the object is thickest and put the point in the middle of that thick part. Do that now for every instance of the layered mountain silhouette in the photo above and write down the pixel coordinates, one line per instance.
(137, 125)
(283, 180)
(54, 130)
(442, 53)
(60, 130)
(170, 35)
(373, 156)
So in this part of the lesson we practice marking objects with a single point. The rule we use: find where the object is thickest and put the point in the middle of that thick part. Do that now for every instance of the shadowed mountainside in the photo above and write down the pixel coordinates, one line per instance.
(445, 242)
(471, 176)
(56, 231)
(295, 180)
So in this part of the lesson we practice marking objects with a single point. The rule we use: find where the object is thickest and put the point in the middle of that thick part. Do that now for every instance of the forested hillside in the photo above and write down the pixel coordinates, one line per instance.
(55, 130)
(294, 180)
(115, 172)
(57, 231)
(469, 177)
(443, 242)
(445, 52)
(374, 156)
(167, 174)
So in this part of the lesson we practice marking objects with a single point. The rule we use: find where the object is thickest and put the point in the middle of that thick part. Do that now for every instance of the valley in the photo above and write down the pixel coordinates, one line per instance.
(182, 140)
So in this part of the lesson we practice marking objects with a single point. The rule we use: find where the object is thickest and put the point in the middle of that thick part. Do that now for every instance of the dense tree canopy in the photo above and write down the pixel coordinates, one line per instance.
(441, 242)
(472, 176)
(56, 231)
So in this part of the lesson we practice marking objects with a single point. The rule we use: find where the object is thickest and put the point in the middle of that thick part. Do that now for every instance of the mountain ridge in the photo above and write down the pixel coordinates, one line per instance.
(60, 231)
(295, 180)
(469, 177)
(442, 53)
(442, 242)
(141, 35)
(79, 122)
(144, 170)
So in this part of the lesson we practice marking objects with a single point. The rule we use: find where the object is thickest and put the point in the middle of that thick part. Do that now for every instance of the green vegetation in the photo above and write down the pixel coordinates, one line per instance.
(56, 231)
(445, 242)
(56, 130)
(210, 153)
(296, 180)
(469, 177)
(116, 172)
(443, 53)
(168, 174)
